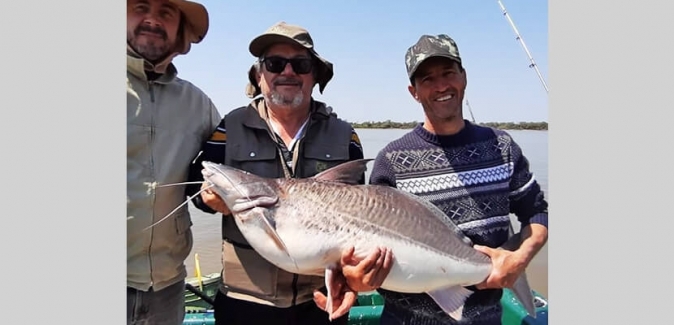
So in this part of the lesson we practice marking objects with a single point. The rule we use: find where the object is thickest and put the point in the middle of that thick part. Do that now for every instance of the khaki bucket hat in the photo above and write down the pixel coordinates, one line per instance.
(283, 32)
(196, 18)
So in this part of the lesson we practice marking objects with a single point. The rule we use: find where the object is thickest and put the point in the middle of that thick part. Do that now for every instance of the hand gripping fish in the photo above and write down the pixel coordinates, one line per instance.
(303, 225)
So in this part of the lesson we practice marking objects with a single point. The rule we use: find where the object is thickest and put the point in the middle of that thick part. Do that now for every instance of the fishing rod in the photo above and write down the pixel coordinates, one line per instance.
(200, 294)
(470, 110)
(524, 46)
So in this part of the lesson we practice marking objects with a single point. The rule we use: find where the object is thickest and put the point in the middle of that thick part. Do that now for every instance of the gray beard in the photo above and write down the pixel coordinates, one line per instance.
(289, 102)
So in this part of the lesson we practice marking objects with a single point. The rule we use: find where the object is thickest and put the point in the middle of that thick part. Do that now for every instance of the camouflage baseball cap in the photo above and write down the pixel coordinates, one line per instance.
(427, 47)
(283, 32)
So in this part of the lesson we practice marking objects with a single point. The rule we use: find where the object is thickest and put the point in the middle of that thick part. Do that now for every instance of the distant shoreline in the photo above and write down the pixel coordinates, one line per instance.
(536, 126)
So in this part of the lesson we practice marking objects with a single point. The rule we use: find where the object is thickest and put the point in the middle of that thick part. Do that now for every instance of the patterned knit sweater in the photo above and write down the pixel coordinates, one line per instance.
(477, 177)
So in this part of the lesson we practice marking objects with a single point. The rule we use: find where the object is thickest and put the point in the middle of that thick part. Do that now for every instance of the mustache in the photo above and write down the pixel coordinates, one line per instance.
(156, 30)
(287, 80)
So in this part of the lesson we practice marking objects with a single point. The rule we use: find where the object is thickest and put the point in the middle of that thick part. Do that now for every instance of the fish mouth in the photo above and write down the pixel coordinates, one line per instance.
(261, 199)
(213, 168)
(208, 170)
(209, 165)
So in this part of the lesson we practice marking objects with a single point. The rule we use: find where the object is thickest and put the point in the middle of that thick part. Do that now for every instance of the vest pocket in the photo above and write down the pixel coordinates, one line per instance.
(319, 157)
(254, 157)
(183, 222)
(252, 151)
(245, 271)
(182, 241)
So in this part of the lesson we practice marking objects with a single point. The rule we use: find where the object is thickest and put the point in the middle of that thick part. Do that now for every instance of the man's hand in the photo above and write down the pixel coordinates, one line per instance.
(511, 261)
(367, 274)
(354, 275)
(213, 200)
(343, 297)
(506, 268)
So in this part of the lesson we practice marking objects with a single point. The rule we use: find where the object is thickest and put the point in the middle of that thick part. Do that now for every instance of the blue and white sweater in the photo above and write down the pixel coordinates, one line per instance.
(477, 177)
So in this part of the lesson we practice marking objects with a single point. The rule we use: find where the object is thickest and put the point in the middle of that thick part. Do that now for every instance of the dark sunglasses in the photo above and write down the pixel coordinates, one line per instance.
(276, 64)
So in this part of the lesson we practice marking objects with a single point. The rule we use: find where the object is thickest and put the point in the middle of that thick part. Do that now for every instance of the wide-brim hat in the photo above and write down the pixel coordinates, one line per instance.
(282, 32)
(196, 19)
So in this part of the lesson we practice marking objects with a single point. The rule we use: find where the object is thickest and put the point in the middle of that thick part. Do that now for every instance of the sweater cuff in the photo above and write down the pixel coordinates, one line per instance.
(539, 218)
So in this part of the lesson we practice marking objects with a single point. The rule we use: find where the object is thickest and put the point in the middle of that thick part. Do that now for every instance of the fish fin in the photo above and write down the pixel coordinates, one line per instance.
(521, 288)
(451, 300)
(329, 277)
(522, 291)
(349, 172)
(271, 231)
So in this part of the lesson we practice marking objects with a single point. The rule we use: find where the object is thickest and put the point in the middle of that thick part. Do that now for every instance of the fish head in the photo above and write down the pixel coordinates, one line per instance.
(251, 198)
(240, 190)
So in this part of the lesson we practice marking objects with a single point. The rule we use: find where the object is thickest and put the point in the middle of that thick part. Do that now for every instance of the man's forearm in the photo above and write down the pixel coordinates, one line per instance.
(534, 236)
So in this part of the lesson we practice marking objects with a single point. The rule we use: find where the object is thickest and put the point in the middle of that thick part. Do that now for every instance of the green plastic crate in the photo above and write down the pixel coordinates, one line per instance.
(199, 317)
(515, 314)
(369, 309)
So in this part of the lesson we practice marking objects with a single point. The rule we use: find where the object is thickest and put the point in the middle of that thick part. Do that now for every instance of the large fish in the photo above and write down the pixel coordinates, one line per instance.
(303, 225)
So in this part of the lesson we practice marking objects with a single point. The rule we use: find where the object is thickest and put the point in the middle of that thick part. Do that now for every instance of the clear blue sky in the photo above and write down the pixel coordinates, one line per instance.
(367, 40)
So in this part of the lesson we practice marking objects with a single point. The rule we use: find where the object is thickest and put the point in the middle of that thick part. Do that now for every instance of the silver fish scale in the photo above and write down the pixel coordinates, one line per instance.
(344, 210)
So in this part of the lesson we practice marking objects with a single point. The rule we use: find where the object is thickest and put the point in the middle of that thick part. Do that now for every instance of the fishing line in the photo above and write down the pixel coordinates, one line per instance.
(178, 207)
(174, 184)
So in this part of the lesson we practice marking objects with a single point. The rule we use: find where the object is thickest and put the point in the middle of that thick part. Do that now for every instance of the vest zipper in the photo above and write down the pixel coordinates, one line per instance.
(151, 91)
(152, 136)
(295, 276)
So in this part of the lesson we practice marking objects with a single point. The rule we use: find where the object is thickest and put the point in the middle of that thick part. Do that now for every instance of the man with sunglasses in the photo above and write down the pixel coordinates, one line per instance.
(167, 120)
(282, 132)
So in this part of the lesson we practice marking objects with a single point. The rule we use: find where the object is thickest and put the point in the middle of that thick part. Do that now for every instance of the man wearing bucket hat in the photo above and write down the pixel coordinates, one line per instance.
(167, 120)
(452, 149)
(282, 132)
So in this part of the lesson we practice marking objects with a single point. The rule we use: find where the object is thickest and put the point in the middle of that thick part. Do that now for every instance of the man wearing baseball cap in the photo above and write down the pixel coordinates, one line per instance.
(453, 150)
(167, 119)
(282, 132)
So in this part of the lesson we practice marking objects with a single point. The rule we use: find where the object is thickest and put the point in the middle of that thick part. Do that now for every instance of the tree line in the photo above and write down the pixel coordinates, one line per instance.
(388, 124)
